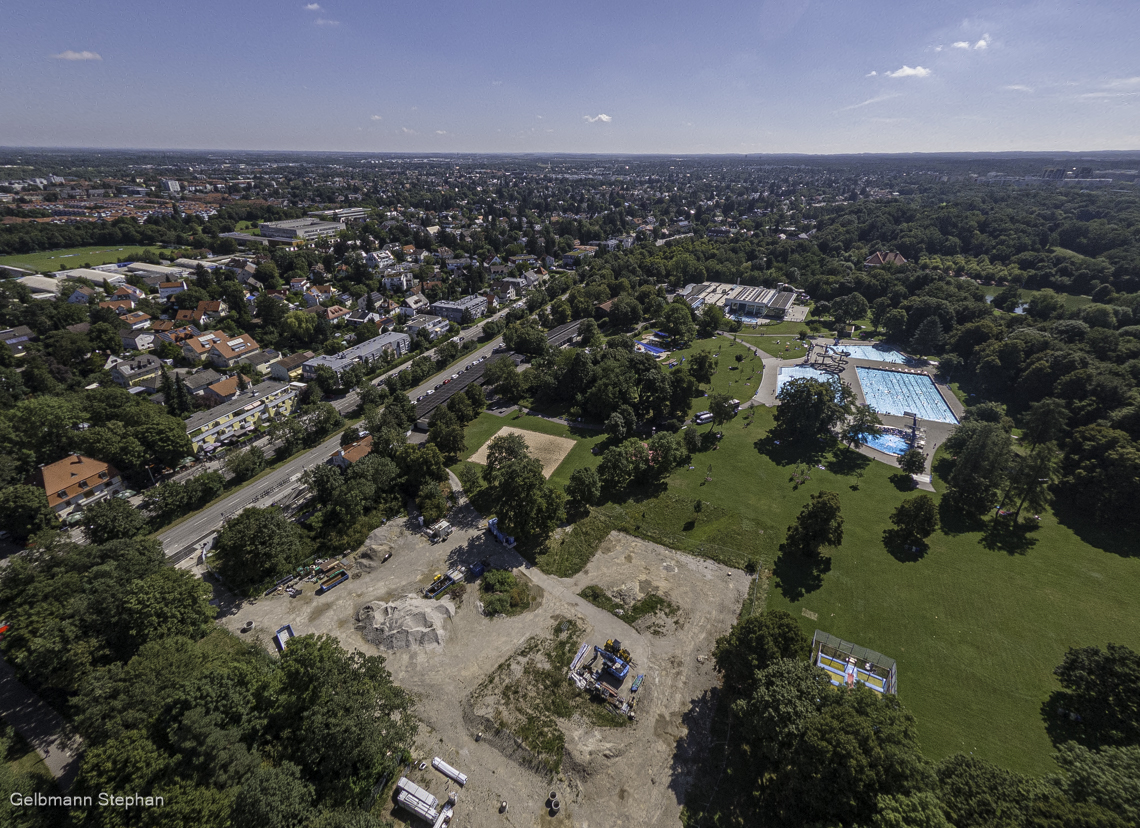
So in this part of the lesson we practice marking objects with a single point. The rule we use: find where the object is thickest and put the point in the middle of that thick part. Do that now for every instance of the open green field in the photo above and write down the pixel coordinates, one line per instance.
(1071, 300)
(67, 258)
(781, 346)
(976, 628)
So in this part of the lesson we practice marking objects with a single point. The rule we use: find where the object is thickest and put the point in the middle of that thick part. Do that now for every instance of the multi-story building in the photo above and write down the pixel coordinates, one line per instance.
(306, 229)
(288, 369)
(363, 354)
(243, 414)
(133, 371)
(434, 325)
(75, 482)
(453, 310)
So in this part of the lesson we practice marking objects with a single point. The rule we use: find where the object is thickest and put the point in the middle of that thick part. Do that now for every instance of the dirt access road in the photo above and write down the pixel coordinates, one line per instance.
(635, 775)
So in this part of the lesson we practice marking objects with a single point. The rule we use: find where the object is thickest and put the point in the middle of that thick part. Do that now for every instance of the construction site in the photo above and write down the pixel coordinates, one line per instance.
(564, 704)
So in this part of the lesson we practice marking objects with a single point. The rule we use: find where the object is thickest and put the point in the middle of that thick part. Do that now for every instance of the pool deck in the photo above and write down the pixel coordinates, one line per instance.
(936, 433)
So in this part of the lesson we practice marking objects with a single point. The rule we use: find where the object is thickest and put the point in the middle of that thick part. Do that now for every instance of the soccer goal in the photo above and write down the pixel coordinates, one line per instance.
(847, 664)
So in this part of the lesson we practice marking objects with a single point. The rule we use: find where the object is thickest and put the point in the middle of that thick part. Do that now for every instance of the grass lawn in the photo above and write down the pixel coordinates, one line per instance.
(781, 346)
(71, 257)
(976, 628)
(1071, 300)
(738, 379)
(789, 328)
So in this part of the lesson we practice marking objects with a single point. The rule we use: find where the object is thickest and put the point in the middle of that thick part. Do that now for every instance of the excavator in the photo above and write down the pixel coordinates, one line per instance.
(613, 647)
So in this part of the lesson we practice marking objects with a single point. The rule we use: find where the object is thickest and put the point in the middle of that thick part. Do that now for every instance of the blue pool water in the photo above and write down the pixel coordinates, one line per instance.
(893, 392)
(799, 372)
(887, 443)
(868, 352)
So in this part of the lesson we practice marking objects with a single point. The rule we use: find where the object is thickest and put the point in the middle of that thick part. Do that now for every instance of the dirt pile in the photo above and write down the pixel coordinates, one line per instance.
(408, 622)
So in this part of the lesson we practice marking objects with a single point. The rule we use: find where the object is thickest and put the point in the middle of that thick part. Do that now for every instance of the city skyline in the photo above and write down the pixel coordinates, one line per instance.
(798, 77)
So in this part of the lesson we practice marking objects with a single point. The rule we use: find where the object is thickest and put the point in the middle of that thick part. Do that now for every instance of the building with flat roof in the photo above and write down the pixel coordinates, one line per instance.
(305, 229)
(232, 420)
(453, 309)
(363, 354)
(75, 482)
(434, 325)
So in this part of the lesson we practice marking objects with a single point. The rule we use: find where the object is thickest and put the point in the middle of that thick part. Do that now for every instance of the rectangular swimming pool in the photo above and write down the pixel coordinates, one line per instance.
(869, 352)
(894, 392)
(799, 372)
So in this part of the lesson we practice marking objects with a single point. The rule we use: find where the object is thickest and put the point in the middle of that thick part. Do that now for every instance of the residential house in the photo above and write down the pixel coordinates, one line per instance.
(361, 317)
(317, 294)
(119, 306)
(191, 316)
(75, 482)
(298, 285)
(457, 264)
(504, 291)
(226, 353)
(223, 390)
(232, 420)
(434, 325)
(879, 258)
(288, 369)
(15, 338)
(128, 292)
(334, 315)
(197, 382)
(133, 371)
(413, 304)
(140, 340)
(168, 290)
(363, 354)
(137, 321)
(454, 310)
(213, 310)
(344, 457)
(498, 271)
(262, 361)
(162, 325)
(398, 282)
(82, 296)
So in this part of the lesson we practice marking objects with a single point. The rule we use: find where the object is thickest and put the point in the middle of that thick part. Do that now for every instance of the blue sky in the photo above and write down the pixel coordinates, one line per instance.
(816, 76)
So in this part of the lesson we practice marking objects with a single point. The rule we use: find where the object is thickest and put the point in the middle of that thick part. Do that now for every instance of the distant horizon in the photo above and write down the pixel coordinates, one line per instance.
(778, 77)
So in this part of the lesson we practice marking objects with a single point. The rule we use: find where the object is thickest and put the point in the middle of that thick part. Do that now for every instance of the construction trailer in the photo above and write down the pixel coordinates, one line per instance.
(335, 579)
(493, 528)
(614, 666)
(282, 637)
(442, 583)
(415, 799)
(440, 530)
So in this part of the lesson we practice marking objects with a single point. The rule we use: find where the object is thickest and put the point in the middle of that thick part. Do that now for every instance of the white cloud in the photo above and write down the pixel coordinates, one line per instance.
(496, 83)
(407, 131)
(314, 7)
(323, 21)
(440, 132)
(869, 101)
(70, 55)
(983, 43)
(908, 72)
(1018, 87)
(961, 44)
(601, 117)
(377, 118)
(1123, 83)
(939, 48)
(871, 74)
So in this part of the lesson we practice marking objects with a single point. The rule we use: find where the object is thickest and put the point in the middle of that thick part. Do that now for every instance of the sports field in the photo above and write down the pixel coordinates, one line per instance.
(976, 627)
(52, 260)
(549, 449)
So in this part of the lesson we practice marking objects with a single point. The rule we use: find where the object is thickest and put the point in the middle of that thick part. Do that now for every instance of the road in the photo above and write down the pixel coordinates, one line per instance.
(183, 541)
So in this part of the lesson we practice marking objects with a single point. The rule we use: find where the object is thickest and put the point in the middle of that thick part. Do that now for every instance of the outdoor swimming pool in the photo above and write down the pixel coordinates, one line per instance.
(799, 372)
(895, 392)
(887, 443)
(869, 352)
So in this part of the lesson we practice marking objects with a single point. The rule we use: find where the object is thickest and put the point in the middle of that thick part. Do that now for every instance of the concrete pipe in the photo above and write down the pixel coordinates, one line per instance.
(553, 795)
(503, 807)
(555, 806)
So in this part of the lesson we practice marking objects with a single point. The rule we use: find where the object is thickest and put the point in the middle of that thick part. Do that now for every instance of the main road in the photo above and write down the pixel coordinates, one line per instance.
(184, 540)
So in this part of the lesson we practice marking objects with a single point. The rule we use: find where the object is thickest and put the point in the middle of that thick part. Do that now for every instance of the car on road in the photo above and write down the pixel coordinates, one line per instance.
(438, 386)
(126, 494)
(420, 397)
(430, 391)
(455, 376)
(446, 381)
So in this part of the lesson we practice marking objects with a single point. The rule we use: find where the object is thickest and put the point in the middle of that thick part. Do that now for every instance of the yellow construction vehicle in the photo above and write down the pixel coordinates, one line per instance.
(613, 647)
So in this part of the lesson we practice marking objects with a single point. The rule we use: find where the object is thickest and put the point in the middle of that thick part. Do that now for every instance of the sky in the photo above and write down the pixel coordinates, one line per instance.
(749, 76)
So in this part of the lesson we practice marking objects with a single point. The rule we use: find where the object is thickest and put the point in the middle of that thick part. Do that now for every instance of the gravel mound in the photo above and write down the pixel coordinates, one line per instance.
(408, 622)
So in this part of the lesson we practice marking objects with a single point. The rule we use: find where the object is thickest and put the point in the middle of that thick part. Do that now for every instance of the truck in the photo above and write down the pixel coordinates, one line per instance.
(614, 665)
(335, 579)
(703, 417)
(441, 583)
(440, 530)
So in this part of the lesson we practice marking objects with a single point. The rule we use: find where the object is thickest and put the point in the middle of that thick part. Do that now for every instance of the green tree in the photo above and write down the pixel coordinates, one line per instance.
(1103, 687)
(502, 450)
(862, 423)
(916, 518)
(879, 311)
(625, 312)
(275, 797)
(1045, 421)
(928, 338)
(912, 461)
(24, 511)
(1109, 778)
(819, 524)
(850, 308)
(246, 464)
(776, 703)
(982, 454)
(710, 320)
(722, 409)
(1045, 304)
(666, 451)
(917, 810)
(584, 487)
(527, 506)
(257, 544)
(166, 603)
(894, 324)
(702, 365)
(431, 502)
(756, 642)
(616, 427)
(677, 321)
(449, 438)
(809, 408)
(111, 519)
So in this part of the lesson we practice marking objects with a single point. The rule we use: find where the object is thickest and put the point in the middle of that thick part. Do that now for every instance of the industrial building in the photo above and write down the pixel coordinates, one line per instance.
(305, 229)
(363, 354)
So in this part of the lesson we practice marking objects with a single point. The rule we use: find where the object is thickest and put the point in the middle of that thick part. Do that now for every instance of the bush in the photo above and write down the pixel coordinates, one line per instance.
(499, 581)
(496, 604)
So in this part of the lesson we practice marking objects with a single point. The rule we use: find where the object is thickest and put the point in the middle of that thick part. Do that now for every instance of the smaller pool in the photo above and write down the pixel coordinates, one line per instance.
(871, 353)
(887, 443)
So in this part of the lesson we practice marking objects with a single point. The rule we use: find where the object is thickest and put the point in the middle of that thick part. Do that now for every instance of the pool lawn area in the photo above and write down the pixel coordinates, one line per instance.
(72, 257)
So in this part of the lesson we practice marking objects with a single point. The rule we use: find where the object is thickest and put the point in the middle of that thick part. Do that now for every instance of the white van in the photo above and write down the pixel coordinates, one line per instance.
(702, 418)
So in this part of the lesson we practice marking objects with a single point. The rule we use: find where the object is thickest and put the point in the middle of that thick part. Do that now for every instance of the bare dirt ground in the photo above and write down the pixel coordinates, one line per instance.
(634, 775)
(547, 448)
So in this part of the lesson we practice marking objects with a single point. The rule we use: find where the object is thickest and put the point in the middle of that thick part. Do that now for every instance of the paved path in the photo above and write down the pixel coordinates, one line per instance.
(44, 729)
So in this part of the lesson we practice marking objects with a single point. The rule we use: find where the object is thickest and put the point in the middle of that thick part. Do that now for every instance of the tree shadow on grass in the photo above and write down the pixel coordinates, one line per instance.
(1108, 537)
(902, 547)
(847, 461)
(797, 575)
(954, 521)
(903, 482)
(784, 452)
(1062, 725)
(1004, 535)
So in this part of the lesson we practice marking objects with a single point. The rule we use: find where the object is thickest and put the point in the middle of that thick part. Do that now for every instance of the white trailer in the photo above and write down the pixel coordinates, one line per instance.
(417, 806)
(448, 771)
